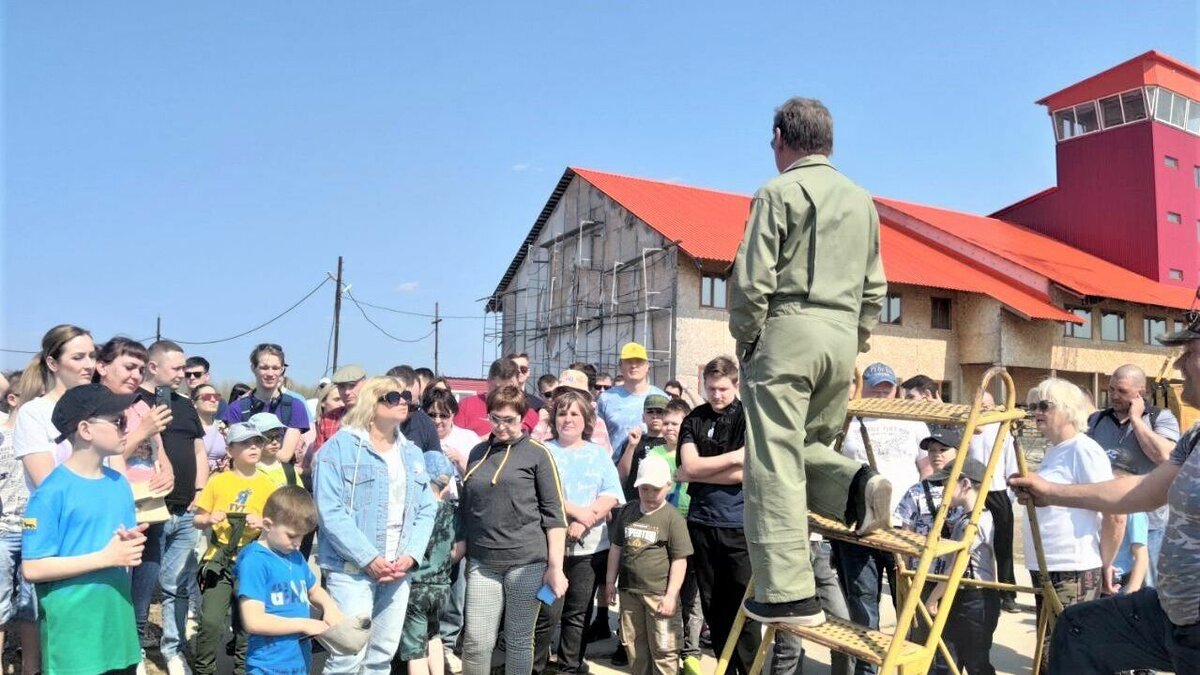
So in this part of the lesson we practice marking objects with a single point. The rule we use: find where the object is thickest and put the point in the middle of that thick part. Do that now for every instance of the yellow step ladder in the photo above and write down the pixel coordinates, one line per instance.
(894, 652)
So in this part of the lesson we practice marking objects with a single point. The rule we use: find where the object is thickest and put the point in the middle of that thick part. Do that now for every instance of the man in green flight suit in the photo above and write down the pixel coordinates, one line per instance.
(807, 290)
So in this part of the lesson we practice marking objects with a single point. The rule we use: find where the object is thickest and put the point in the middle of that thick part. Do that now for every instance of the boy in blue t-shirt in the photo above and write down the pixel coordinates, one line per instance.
(275, 587)
(1131, 567)
(80, 539)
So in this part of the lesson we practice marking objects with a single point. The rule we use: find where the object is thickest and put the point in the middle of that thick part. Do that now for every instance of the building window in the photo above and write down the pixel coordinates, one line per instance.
(1083, 331)
(1175, 275)
(939, 313)
(714, 292)
(1196, 174)
(1086, 119)
(1193, 117)
(1112, 326)
(1170, 162)
(1134, 105)
(1174, 218)
(891, 310)
(1179, 325)
(1110, 111)
(1152, 327)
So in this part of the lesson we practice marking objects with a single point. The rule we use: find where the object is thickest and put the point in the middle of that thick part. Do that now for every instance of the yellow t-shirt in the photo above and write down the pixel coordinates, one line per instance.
(275, 473)
(231, 492)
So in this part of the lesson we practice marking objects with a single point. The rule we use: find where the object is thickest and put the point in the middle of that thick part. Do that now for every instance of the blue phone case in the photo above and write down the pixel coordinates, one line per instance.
(546, 595)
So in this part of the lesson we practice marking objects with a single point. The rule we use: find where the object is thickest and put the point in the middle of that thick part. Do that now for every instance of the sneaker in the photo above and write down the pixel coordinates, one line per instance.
(691, 666)
(806, 612)
(619, 657)
(177, 666)
(705, 637)
(1009, 605)
(877, 498)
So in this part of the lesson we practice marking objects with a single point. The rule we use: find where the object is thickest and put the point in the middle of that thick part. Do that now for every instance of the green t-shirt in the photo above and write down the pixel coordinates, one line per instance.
(649, 542)
(435, 569)
(679, 494)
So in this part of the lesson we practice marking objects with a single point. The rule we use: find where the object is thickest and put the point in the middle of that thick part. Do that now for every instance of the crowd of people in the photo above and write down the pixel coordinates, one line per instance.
(502, 530)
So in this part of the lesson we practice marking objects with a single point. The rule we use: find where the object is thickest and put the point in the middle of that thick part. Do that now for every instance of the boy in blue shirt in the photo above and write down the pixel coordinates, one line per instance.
(1131, 567)
(276, 586)
(80, 539)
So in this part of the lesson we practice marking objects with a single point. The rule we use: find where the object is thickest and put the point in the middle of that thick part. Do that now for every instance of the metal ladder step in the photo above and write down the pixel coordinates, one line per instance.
(926, 411)
(891, 539)
(857, 641)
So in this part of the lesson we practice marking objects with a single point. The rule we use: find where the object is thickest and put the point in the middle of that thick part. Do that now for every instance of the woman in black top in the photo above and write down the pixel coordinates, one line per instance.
(514, 528)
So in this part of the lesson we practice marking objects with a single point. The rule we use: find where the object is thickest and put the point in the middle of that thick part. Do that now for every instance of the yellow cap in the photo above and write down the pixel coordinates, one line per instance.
(633, 350)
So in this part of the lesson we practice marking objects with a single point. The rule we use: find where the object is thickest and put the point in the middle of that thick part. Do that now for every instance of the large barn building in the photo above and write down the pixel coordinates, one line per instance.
(1075, 280)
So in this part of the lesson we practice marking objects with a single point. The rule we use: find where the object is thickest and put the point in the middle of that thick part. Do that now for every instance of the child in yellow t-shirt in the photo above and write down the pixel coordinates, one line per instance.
(273, 431)
(232, 505)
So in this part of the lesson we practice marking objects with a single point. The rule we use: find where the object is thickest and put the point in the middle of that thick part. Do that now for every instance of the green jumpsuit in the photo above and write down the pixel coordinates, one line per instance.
(807, 289)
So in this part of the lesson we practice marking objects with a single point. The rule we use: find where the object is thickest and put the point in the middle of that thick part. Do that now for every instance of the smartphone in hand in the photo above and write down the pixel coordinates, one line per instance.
(162, 395)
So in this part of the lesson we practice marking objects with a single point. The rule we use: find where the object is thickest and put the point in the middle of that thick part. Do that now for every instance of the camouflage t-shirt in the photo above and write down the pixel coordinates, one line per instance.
(1179, 561)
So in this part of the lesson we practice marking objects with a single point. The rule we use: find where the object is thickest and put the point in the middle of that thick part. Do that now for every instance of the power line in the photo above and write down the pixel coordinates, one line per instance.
(420, 314)
(380, 328)
(18, 351)
(261, 325)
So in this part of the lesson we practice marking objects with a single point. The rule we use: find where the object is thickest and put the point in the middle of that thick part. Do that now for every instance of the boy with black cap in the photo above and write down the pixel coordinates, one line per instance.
(80, 536)
(976, 611)
(641, 444)
(920, 503)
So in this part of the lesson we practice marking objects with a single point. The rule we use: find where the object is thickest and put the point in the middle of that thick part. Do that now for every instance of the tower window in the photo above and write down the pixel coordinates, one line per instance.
(1175, 275)
(1134, 105)
(1174, 218)
(1170, 162)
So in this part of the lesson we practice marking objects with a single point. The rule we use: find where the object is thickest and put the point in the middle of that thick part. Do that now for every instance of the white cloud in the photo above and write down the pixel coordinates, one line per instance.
(407, 287)
(522, 167)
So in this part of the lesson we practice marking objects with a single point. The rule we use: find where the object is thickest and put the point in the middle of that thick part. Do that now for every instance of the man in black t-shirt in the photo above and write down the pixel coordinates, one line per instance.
(169, 560)
(712, 452)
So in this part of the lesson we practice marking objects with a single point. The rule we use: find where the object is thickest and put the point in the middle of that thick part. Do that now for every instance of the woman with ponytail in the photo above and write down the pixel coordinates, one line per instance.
(67, 360)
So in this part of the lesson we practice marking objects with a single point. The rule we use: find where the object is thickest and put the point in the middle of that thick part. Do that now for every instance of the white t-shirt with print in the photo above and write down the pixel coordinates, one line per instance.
(896, 444)
(1070, 537)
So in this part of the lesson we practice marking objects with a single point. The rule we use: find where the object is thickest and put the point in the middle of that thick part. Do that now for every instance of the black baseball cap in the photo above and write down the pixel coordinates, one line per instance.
(948, 437)
(84, 403)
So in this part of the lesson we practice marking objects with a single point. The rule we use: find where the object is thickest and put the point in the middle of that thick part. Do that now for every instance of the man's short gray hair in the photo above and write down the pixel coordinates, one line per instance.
(805, 126)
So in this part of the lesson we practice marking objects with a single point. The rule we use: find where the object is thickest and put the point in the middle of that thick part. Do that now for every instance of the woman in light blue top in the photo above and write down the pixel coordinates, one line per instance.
(592, 488)
(376, 515)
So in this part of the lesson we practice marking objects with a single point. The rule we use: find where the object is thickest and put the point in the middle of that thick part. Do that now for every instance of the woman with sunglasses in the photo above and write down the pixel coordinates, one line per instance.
(376, 514)
(268, 364)
(1080, 545)
(457, 442)
(208, 401)
(515, 532)
(67, 360)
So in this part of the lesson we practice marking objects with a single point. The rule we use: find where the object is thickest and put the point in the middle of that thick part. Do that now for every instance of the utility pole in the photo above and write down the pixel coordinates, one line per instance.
(337, 313)
(437, 324)
(158, 329)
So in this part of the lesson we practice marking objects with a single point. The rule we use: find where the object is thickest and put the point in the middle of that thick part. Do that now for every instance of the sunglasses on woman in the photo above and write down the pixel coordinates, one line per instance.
(393, 398)
(274, 435)
(1042, 406)
(211, 398)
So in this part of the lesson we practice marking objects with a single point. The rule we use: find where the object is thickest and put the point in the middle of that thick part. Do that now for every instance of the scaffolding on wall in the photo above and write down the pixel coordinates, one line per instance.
(594, 278)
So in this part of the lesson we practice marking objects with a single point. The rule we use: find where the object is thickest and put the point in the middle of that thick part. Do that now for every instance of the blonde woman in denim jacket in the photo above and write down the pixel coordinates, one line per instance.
(376, 515)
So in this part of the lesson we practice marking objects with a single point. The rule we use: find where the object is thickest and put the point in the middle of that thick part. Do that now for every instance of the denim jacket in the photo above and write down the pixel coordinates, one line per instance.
(350, 487)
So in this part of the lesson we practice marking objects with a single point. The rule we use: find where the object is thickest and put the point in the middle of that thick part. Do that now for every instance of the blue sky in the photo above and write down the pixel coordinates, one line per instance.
(207, 162)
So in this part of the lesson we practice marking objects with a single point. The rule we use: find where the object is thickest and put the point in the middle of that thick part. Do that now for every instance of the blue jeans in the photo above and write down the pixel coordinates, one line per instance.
(1154, 540)
(1120, 633)
(860, 570)
(177, 577)
(386, 604)
(17, 600)
(145, 579)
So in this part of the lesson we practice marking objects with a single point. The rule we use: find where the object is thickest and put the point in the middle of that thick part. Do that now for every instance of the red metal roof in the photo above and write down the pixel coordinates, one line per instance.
(709, 225)
(1069, 267)
(1150, 68)
(474, 385)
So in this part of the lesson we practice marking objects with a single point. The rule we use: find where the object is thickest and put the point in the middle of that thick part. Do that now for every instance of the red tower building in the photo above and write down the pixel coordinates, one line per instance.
(1128, 157)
